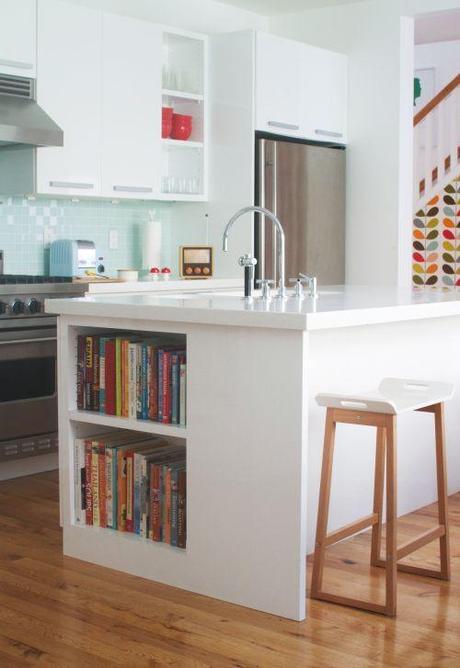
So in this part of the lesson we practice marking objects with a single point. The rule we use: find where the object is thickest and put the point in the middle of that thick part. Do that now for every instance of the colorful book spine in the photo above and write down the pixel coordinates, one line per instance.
(160, 384)
(166, 500)
(144, 508)
(121, 490)
(156, 484)
(132, 380)
(124, 378)
(114, 489)
(153, 384)
(181, 508)
(79, 481)
(81, 372)
(166, 387)
(95, 385)
(110, 377)
(109, 487)
(182, 393)
(118, 375)
(129, 491)
(102, 343)
(88, 372)
(139, 381)
(175, 380)
(144, 383)
(95, 483)
(174, 504)
(88, 487)
(102, 481)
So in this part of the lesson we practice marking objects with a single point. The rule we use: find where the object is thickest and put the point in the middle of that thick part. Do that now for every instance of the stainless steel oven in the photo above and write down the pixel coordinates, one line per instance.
(28, 373)
(28, 390)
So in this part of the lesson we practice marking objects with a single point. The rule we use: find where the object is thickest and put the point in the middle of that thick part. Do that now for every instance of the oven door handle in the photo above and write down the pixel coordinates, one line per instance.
(37, 340)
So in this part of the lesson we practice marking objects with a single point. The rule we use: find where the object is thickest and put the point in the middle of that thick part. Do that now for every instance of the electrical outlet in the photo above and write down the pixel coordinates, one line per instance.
(113, 239)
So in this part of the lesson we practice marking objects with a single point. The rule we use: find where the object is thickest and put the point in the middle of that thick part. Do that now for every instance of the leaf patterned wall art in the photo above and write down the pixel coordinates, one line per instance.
(425, 245)
(451, 234)
(436, 240)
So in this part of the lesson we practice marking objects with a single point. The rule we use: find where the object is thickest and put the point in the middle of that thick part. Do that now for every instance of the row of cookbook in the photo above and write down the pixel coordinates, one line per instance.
(131, 482)
(128, 376)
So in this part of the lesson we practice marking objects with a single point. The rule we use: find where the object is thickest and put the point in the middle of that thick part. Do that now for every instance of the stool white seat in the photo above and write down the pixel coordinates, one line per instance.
(393, 396)
(379, 408)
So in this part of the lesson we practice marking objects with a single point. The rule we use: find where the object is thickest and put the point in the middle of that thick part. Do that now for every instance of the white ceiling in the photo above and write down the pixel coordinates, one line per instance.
(273, 7)
(441, 27)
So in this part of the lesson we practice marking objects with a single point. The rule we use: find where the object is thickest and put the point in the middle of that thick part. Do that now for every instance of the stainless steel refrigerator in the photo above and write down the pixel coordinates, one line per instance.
(304, 185)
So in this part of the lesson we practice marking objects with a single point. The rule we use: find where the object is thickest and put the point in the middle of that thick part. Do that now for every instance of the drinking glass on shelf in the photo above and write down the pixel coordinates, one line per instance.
(170, 78)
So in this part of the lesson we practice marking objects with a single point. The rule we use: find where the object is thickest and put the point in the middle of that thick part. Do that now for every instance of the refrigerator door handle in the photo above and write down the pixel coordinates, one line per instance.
(261, 218)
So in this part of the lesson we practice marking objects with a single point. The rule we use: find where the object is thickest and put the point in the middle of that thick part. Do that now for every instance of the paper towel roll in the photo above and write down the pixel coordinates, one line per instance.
(151, 244)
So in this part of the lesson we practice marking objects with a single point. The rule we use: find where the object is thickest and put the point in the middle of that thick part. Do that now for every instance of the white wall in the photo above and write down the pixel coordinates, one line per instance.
(379, 163)
(444, 57)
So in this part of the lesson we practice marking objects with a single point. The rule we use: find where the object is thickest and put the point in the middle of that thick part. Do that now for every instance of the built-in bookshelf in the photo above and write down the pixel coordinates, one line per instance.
(131, 376)
(131, 483)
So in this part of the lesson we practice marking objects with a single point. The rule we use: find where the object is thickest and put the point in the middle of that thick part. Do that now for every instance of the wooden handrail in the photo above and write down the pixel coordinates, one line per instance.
(452, 85)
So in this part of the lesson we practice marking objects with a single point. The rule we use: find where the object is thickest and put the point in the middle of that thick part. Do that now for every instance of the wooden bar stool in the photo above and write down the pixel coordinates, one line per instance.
(379, 409)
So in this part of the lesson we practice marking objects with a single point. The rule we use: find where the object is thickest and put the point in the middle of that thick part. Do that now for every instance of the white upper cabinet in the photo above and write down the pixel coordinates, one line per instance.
(69, 88)
(324, 95)
(300, 90)
(18, 37)
(278, 83)
(131, 107)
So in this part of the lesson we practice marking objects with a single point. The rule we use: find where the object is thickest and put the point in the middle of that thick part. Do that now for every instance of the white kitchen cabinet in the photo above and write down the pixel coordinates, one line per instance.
(300, 90)
(18, 37)
(131, 107)
(278, 84)
(323, 95)
(69, 88)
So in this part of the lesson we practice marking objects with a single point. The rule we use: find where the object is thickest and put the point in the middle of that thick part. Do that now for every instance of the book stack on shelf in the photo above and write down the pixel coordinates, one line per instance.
(128, 376)
(132, 483)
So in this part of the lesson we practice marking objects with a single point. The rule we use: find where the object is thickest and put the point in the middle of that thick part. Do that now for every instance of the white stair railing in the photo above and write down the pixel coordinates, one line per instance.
(437, 143)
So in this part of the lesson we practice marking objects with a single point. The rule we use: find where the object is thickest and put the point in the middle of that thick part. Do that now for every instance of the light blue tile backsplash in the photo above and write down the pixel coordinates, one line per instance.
(28, 225)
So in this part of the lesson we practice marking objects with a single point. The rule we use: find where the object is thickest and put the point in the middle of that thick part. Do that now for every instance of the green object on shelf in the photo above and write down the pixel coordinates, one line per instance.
(417, 89)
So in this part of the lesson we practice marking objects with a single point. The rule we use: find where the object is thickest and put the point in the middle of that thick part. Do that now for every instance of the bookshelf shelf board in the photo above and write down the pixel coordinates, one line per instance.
(182, 95)
(128, 423)
(114, 534)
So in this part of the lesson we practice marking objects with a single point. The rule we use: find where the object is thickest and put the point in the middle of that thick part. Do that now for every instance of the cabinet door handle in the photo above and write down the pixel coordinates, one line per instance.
(133, 189)
(328, 133)
(285, 126)
(71, 184)
(18, 64)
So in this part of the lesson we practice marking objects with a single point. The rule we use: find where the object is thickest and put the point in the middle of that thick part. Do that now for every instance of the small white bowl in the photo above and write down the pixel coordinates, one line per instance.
(128, 275)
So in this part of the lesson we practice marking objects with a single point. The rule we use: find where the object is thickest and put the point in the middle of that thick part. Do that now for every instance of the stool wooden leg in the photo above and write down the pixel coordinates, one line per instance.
(323, 505)
(379, 481)
(391, 544)
(442, 490)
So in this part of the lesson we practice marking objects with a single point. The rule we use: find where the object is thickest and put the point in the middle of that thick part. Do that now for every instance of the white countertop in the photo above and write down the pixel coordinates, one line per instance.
(336, 306)
(183, 284)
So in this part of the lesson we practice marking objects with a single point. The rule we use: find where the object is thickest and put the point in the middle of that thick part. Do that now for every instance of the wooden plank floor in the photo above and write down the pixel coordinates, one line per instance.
(57, 611)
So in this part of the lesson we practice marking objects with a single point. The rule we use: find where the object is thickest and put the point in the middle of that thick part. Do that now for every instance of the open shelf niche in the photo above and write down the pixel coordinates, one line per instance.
(101, 461)
(184, 163)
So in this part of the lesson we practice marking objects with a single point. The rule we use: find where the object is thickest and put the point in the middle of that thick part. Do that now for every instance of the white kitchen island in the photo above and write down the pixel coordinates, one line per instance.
(254, 433)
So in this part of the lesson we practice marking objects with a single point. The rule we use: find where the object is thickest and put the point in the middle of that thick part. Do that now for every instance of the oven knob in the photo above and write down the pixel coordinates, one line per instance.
(17, 307)
(33, 305)
(2, 308)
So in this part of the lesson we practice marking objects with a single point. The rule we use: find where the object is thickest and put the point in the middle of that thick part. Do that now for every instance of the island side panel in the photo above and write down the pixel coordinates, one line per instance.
(246, 459)
(246, 474)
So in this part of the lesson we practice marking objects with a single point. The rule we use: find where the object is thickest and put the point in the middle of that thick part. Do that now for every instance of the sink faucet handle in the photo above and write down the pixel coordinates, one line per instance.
(311, 282)
(266, 284)
(298, 286)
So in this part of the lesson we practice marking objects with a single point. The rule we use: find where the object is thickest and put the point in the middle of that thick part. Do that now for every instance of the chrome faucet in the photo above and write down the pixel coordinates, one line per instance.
(280, 255)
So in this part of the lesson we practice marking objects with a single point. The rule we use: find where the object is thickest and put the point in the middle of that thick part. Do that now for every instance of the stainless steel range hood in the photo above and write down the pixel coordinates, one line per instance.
(22, 120)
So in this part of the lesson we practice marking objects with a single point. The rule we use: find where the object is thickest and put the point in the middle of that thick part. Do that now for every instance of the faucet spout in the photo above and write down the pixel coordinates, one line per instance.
(281, 252)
